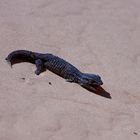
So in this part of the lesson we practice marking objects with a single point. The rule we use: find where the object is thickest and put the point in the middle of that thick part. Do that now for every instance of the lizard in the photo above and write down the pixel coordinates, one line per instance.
(57, 65)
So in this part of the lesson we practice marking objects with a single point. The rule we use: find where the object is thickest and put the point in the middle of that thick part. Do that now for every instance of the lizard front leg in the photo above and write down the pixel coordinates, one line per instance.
(39, 66)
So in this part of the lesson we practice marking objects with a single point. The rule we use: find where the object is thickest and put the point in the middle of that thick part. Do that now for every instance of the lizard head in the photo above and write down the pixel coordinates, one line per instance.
(91, 79)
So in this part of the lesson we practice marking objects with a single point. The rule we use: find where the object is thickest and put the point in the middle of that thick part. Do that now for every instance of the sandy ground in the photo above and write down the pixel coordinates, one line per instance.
(97, 36)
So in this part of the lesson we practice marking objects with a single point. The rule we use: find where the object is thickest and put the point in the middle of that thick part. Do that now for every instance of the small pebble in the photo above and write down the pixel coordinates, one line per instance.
(50, 83)
(23, 78)
(135, 133)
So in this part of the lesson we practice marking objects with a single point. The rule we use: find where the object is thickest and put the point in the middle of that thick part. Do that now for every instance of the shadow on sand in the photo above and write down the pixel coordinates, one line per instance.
(98, 90)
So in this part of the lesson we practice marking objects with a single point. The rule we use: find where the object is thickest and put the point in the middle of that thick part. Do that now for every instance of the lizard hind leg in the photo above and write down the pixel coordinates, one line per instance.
(39, 66)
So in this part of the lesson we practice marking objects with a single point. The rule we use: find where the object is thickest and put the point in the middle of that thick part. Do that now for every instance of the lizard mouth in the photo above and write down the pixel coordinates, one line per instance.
(97, 84)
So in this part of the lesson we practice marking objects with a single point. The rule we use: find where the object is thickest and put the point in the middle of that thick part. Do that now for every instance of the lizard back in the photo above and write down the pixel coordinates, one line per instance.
(61, 67)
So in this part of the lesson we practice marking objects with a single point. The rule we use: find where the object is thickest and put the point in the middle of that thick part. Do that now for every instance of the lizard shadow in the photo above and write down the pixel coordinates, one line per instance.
(98, 90)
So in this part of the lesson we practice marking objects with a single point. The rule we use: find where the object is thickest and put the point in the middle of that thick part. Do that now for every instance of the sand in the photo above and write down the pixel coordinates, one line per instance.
(101, 37)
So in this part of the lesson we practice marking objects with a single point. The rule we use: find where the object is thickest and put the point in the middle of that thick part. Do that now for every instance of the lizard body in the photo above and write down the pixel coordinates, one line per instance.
(56, 65)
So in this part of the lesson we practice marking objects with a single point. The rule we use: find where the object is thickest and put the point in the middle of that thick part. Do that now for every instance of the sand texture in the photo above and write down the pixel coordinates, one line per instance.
(96, 36)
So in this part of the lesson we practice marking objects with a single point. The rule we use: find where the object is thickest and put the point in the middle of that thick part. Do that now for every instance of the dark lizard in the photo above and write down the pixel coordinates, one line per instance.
(56, 65)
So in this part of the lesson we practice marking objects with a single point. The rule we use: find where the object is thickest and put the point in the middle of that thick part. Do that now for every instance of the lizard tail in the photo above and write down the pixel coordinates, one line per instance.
(20, 56)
